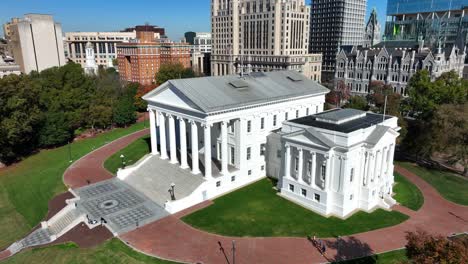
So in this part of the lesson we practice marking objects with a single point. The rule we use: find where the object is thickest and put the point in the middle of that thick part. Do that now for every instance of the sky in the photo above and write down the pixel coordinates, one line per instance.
(177, 16)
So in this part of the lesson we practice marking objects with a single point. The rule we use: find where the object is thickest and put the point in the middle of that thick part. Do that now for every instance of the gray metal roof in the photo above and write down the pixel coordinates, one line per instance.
(338, 115)
(213, 94)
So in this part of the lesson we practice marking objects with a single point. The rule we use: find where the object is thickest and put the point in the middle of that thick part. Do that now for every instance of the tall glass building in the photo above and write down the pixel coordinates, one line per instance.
(395, 7)
(442, 22)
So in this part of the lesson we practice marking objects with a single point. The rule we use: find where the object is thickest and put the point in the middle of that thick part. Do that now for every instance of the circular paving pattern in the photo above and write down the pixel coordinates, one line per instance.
(109, 204)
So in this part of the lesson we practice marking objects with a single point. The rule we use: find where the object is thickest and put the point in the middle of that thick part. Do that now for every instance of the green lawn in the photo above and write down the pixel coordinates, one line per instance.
(450, 186)
(257, 210)
(392, 257)
(26, 187)
(133, 153)
(113, 251)
(407, 194)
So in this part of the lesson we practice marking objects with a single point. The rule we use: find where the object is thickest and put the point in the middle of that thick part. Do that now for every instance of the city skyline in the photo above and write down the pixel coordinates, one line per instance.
(177, 17)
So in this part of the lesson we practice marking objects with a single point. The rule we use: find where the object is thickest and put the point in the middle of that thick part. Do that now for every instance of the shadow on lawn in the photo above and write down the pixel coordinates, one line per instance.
(350, 248)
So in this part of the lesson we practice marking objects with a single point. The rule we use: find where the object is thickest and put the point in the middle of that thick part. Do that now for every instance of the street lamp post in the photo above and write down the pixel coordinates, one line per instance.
(122, 158)
(233, 252)
(172, 191)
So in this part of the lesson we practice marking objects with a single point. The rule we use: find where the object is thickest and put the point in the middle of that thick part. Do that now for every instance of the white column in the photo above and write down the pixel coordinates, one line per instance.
(195, 167)
(363, 169)
(172, 139)
(154, 145)
(382, 164)
(300, 168)
(183, 144)
(224, 149)
(242, 146)
(328, 172)
(370, 174)
(314, 168)
(207, 133)
(287, 162)
(162, 135)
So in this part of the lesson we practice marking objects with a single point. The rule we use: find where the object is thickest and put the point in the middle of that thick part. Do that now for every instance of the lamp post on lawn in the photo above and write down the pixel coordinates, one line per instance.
(69, 152)
(122, 158)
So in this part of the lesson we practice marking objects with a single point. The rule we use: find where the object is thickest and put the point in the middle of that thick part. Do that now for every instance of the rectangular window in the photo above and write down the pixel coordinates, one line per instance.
(304, 192)
(262, 149)
(316, 109)
(231, 127)
(351, 197)
(278, 154)
(296, 163)
(262, 123)
(274, 120)
(233, 178)
(286, 116)
(297, 113)
(317, 197)
(218, 183)
(309, 168)
(307, 111)
(323, 172)
(220, 151)
(291, 187)
(262, 167)
(351, 177)
(249, 126)
(249, 150)
(233, 156)
(249, 172)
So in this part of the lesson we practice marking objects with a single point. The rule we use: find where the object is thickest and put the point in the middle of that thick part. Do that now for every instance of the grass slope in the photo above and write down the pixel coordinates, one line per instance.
(407, 194)
(113, 251)
(450, 186)
(133, 153)
(392, 257)
(26, 187)
(257, 210)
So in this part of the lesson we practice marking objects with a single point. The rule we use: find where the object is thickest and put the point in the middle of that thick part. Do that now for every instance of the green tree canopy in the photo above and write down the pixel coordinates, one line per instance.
(171, 71)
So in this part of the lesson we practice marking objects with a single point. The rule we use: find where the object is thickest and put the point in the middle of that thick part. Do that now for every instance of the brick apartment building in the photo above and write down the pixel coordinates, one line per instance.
(140, 59)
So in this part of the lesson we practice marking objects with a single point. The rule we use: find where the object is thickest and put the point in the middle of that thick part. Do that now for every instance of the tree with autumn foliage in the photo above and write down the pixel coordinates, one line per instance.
(423, 248)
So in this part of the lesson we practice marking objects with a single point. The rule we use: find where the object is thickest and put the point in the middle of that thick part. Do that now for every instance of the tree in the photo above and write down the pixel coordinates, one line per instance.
(450, 132)
(425, 96)
(171, 71)
(343, 92)
(422, 248)
(125, 110)
(357, 102)
(55, 130)
(20, 117)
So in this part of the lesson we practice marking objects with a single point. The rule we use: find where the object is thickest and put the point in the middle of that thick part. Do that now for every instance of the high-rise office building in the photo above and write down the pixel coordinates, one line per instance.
(260, 35)
(36, 42)
(335, 23)
(443, 22)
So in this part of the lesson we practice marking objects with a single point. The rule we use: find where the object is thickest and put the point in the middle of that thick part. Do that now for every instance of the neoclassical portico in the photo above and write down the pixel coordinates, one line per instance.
(176, 141)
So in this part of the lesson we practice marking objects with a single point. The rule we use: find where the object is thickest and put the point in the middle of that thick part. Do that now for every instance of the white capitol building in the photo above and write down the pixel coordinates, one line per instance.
(263, 124)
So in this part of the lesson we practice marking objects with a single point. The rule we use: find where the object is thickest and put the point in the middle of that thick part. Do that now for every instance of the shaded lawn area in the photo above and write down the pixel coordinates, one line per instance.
(113, 251)
(257, 210)
(26, 187)
(392, 257)
(133, 153)
(451, 187)
(407, 194)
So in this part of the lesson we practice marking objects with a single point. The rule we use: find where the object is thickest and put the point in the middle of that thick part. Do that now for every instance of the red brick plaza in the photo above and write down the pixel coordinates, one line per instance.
(170, 238)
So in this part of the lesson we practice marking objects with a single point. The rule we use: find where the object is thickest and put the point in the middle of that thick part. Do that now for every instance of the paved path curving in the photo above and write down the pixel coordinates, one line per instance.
(91, 167)
(170, 238)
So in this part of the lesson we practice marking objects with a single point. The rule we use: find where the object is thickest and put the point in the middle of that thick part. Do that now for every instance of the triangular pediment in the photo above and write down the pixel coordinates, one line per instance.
(311, 137)
(168, 95)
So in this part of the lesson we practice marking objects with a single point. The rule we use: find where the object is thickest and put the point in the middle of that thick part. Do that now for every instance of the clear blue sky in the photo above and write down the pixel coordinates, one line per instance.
(177, 16)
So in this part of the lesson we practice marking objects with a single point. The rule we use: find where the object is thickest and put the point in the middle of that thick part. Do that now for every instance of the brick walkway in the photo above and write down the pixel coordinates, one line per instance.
(90, 167)
(170, 238)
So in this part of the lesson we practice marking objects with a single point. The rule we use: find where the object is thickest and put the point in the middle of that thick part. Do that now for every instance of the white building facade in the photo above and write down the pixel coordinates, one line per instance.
(224, 122)
(36, 42)
(91, 67)
(336, 162)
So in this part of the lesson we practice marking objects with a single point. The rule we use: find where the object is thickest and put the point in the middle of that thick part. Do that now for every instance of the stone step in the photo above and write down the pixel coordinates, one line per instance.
(38, 237)
(63, 222)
